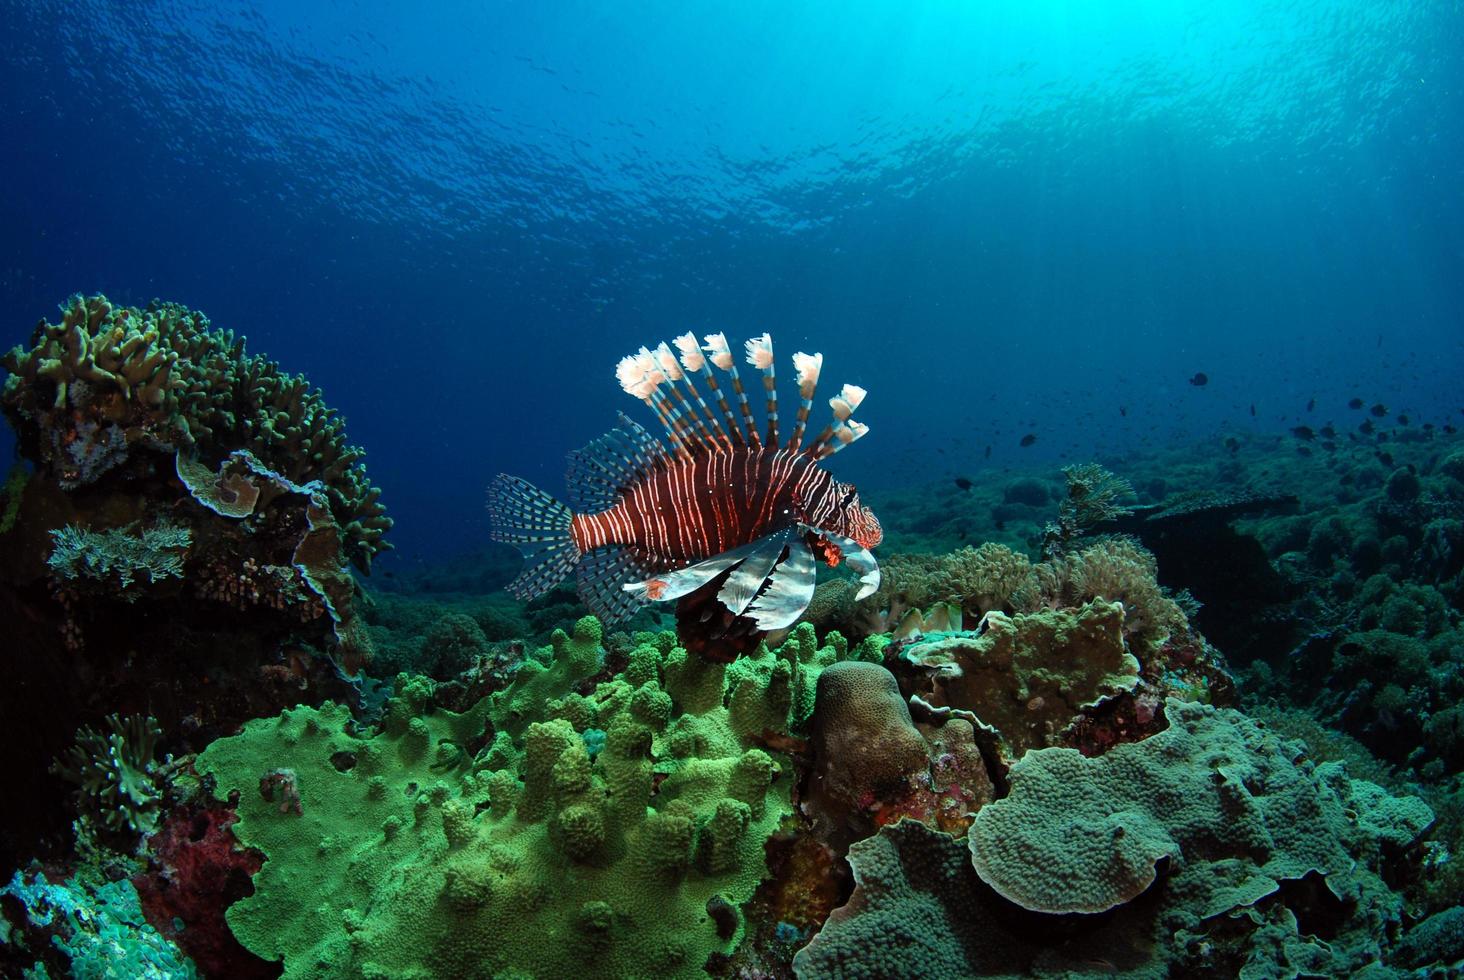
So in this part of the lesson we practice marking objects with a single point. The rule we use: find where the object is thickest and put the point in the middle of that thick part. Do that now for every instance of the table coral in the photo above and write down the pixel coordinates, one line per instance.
(1230, 808)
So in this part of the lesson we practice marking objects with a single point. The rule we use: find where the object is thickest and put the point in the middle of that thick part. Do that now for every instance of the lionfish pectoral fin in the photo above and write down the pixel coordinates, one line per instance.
(600, 574)
(675, 584)
(858, 558)
(789, 591)
(746, 580)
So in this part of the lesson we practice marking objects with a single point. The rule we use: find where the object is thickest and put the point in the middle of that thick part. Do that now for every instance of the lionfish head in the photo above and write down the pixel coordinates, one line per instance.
(854, 520)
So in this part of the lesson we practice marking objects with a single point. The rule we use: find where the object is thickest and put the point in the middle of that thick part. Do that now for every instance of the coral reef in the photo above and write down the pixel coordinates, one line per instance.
(195, 870)
(1223, 811)
(87, 928)
(865, 745)
(155, 553)
(1026, 679)
(107, 384)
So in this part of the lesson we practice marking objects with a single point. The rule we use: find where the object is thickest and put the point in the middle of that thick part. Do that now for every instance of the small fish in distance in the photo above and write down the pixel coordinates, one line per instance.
(1200, 379)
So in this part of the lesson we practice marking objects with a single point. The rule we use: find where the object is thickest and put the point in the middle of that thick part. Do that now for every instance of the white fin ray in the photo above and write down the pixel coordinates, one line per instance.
(747, 579)
(789, 591)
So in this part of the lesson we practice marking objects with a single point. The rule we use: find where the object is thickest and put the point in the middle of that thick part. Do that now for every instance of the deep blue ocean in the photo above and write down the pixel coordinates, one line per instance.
(1001, 218)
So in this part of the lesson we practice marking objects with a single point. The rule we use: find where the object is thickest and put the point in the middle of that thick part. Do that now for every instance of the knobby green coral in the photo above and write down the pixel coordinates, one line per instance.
(413, 856)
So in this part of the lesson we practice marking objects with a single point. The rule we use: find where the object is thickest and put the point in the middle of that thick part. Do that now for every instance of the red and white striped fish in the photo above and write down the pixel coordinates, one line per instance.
(718, 507)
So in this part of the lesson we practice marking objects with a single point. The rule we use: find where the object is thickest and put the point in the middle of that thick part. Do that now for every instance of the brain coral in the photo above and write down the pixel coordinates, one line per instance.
(865, 745)
(105, 382)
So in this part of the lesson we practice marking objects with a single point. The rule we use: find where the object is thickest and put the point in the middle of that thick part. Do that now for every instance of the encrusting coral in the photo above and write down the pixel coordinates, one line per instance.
(1026, 678)
(107, 381)
(627, 822)
(1271, 867)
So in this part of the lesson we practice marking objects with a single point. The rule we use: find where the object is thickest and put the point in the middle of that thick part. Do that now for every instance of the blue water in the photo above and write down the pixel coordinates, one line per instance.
(1000, 218)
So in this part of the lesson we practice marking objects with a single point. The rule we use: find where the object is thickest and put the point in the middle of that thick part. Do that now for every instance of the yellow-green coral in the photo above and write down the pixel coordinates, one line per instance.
(537, 857)
(107, 380)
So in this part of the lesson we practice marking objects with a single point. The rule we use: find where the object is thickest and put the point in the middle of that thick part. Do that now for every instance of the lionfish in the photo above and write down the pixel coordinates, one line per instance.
(727, 521)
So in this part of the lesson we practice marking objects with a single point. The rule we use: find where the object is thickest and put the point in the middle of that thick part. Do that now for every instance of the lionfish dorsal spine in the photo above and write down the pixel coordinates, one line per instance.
(843, 430)
(721, 356)
(658, 377)
(760, 356)
(807, 367)
(694, 361)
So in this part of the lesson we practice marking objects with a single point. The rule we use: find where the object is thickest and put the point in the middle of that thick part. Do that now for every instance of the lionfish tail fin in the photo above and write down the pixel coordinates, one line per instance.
(522, 515)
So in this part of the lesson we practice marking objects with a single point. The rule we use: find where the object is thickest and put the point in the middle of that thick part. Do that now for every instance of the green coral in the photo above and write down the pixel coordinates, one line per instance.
(119, 555)
(116, 774)
(536, 857)
(97, 926)
(551, 672)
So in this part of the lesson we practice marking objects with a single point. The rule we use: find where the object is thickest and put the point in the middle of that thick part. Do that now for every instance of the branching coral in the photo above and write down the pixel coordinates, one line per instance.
(107, 381)
(1092, 498)
(116, 774)
(118, 555)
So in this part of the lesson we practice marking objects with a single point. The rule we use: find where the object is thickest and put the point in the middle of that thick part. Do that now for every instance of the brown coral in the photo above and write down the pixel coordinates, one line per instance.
(107, 381)
(866, 748)
(1026, 678)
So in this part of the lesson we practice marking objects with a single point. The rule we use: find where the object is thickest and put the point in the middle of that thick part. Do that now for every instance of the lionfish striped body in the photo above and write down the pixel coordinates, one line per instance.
(692, 509)
(719, 512)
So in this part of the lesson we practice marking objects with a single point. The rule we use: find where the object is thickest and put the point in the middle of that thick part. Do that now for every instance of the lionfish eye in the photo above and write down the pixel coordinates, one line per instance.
(850, 494)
